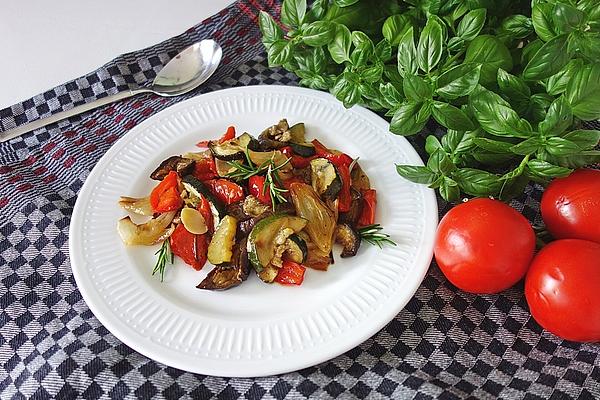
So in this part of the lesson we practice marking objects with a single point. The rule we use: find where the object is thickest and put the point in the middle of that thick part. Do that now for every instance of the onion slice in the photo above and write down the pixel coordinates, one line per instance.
(136, 205)
(152, 232)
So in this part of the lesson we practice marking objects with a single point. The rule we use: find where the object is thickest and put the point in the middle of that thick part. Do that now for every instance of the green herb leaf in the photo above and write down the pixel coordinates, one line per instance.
(407, 54)
(390, 94)
(449, 190)
(585, 139)
(317, 11)
(516, 26)
(417, 174)
(557, 83)
(558, 146)
(279, 53)
(512, 86)
(410, 118)
(566, 17)
(528, 146)
(394, 28)
(345, 3)
(339, 47)
(549, 59)
(416, 89)
(493, 146)
(459, 81)
(269, 28)
(429, 50)
(558, 118)
(451, 117)
(538, 106)
(546, 170)
(363, 50)
(492, 54)
(293, 12)
(497, 117)
(587, 44)
(541, 16)
(476, 182)
(372, 74)
(432, 144)
(471, 24)
(319, 33)
(582, 92)
(346, 89)
(383, 50)
(439, 162)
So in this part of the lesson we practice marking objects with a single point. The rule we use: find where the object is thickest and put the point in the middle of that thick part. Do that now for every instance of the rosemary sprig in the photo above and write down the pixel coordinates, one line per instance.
(165, 254)
(372, 234)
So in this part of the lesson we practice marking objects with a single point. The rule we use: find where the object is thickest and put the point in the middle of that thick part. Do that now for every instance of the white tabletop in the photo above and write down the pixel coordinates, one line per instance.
(45, 43)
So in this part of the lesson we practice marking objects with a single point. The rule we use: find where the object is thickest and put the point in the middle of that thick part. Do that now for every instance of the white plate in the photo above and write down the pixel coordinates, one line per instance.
(254, 329)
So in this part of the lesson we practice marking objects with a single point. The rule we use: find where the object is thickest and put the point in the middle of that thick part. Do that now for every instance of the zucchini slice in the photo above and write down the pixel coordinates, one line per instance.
(262, 238)
(324, 178)
(220, 249)
(232, 149)
(197, 188)
(297, 133)
(296, 249)
(303, 149)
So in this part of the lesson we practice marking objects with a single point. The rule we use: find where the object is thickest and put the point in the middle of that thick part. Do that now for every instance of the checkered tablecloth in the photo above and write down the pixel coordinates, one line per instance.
(445, 344)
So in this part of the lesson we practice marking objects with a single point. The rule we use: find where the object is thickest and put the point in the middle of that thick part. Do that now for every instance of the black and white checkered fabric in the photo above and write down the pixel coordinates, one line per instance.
(445, 344)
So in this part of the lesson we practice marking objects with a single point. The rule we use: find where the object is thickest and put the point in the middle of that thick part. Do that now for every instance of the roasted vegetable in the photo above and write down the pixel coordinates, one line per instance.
(324, 178)
(147, 234)
(230, 274)
(348, 238)
(221, 244)
(138, 206)
(296, 249)
(253, 207)
(236, 210)
(351, 216)
(197, 188)
(290, 273)
(275, 137)
(233, 149)
(360, 180)
(178, 164)
(189, 247)
(321, 220)
(268, 274)
(297, 134)
(223, 168)
(303, 149)
(316, 259)
(262, 241)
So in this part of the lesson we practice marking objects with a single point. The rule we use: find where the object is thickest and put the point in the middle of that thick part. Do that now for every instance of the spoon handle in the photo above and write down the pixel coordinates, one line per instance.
(12, 133)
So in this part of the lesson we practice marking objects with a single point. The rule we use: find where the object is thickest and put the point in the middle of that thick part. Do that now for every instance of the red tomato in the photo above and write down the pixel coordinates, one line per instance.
(192, 249)
(226, 191)
(165, 197)
(290, 273)
(256, 184)
(562, 289)
(205, 168)
(367, 214)
(571, 206)
(484, 246)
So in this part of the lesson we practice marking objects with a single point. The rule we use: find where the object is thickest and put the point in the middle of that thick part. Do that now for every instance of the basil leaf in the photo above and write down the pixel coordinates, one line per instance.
(451, 117)
(496, 117)
(546, 170)
(557, 83)
(383, 50)
(345, 3)
(455, 44)
(588, 44)
(440, 162)
(549, 59)
(449, 190)
(541, 16)
(269, 29)
(432, 144)
(372, 74)
(318, 10)
(394, 28)
(279, 53)
(456, 142)
(516, 26)
(493, 159)
(346, 89)
(416, 89)
(528, 146)
(339, 47)
(390, 94)
(538, 106)
(471, 24)
(410, 118)
(591, 8)
(416, 174)
(582, 92)
(319, 33)
(493, 146)
(566, 17)
(558, 118)
(407, 54)
(293, 12)
(363, 51)
(459, 81)
(586, 139)
(312, 60)
(577, 160)
(391, 74)
(430, 47)
(476, 182)
(529, 50)
(558, 146)
(514, 89)
(492, 54)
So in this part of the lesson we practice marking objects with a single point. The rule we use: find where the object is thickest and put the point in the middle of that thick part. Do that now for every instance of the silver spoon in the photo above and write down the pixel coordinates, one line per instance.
(188, 70)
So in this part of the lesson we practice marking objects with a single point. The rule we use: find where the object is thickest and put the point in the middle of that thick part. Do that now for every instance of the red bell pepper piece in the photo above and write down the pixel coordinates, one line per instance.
(204, 208)
(205, 168)
(226, 191)
(344, 196)
(165, 197)
(228, 135)
(290, 273)
(192, 249)
(294, 179)
(367, 216)
(256, 187)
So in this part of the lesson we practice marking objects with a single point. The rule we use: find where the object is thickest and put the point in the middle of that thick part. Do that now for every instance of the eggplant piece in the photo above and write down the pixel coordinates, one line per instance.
(351, 216)
(325, 179)
(197, 188)
(230, 274)
(296, 249)
(236, 210)
(275, 137)
(303, 149)
(297, 133)
(174, 163)
(348, 238)
(233, 149)
(360, 180)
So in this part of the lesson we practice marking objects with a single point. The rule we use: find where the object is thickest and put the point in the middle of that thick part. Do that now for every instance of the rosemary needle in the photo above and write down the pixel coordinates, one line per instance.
(372, 234)
(165, 254)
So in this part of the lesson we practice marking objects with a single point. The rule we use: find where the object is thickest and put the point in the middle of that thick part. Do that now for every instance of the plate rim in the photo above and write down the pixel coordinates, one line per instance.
(225, 370)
